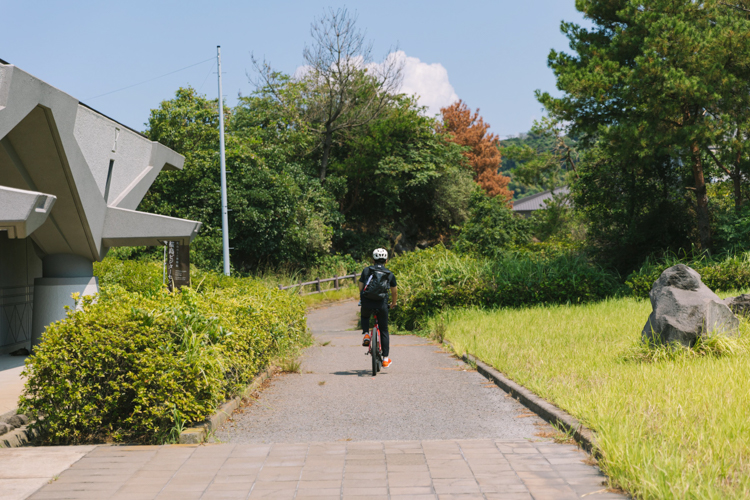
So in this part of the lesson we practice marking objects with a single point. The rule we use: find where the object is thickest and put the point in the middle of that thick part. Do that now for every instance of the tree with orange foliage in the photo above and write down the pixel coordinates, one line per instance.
(483, 154)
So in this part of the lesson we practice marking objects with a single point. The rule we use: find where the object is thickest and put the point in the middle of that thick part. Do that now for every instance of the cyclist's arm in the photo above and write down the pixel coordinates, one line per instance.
(394, 296)
(361, 286)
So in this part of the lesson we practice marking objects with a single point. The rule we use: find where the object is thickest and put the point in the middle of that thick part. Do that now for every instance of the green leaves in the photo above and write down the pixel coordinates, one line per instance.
(437, 279)
(492, 227)
(650, 90)
(278, 213)
(133, 366)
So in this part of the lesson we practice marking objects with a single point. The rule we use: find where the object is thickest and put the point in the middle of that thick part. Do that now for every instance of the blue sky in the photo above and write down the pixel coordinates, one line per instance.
(492, 54)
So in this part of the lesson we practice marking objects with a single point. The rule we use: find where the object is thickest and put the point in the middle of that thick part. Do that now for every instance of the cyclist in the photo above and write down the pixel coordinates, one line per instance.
(374, 284)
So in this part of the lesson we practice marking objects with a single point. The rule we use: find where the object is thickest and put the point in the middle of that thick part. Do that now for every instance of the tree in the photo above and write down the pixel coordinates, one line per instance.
(340, 89)
(279, 214)
(404, 184)
(492, 227)
(482, 151)
(656, 80)
(547, 161)
(634, 206)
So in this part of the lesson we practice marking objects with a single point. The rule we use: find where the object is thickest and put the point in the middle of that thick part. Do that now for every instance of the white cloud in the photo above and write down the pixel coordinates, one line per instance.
(429, 82)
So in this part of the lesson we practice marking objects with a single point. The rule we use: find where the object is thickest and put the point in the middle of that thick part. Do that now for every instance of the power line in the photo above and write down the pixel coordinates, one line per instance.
(150, 80)
(206, 79)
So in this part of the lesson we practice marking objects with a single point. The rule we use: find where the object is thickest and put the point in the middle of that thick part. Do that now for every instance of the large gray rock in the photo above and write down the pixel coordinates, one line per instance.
(685, 309)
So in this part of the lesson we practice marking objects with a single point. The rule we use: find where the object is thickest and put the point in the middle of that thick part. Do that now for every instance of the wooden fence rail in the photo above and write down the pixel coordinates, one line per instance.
(336, 279)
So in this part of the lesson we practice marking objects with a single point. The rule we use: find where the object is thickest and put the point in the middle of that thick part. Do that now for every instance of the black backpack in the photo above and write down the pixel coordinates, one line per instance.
(377, 284)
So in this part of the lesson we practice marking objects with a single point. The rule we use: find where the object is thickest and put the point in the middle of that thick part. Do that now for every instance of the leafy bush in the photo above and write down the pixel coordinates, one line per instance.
(491, 227)
(720, 273)
(140, 361)
(437, 278)
(732, 228)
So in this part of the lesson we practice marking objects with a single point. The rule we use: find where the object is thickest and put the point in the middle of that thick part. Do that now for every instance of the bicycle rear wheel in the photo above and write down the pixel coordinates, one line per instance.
(374, 348)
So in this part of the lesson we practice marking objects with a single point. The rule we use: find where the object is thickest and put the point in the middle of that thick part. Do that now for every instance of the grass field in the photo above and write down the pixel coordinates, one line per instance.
(675, 428)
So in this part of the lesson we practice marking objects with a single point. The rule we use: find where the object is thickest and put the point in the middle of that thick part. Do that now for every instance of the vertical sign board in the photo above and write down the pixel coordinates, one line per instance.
(178, 265)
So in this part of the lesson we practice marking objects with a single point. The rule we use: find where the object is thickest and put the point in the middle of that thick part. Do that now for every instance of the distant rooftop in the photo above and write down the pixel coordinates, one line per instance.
(536, 201)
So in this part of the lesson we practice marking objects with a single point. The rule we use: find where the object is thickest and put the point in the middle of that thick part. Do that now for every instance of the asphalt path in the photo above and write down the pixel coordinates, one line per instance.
(426, 394)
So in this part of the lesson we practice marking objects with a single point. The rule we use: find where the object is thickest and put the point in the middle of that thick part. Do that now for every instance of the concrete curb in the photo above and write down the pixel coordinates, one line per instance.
(199, 433)
(585, 437)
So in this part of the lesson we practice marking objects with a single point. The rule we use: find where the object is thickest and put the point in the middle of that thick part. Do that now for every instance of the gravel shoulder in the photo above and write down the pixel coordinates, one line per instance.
(426, 394)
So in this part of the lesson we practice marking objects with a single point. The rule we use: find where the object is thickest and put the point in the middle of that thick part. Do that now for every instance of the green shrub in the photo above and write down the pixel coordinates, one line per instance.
(437, 278)
(492, 227)
(721, 273)
(141, 361)
(522, 279)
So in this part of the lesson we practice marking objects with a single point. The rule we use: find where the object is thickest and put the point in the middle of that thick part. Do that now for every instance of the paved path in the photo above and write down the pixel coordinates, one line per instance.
(439, 432)
(425, 394)
(395, 470)
(24, 470)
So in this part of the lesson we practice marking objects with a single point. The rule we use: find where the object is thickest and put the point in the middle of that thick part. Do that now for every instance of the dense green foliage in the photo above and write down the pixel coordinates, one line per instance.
(543, 159)
(279, 214)
(658, 96)
(720, 273)
(437, 278)
(392, 181)
(141, 362)
(491, 227)
(633, 207)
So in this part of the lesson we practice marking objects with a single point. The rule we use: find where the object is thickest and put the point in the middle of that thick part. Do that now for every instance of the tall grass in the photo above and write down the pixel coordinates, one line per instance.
(729, 271)
(671, 426)
(434, 279)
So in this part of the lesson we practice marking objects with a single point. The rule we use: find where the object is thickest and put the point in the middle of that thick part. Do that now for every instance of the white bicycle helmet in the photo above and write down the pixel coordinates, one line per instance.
(380, 253)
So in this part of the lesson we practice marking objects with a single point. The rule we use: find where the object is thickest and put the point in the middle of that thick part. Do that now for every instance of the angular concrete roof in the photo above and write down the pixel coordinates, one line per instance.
(22, 212)
(98, 170)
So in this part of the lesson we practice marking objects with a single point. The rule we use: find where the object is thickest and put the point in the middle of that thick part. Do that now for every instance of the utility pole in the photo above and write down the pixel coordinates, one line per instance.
(224, 212)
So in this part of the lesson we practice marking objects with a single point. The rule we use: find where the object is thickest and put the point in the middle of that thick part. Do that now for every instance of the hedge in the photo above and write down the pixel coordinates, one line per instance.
(140, 362)
(721, 273)
(436, 278)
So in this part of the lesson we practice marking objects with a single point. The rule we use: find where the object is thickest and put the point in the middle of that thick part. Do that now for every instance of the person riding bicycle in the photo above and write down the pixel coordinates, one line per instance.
(374, 284)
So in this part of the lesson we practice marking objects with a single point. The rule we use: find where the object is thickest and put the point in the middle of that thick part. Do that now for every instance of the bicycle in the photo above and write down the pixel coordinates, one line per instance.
(376, 353)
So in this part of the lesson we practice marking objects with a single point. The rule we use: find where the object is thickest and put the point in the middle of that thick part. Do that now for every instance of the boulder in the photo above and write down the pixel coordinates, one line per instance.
(4, 428)
(685, 309)
(17, 420)
(739, 305)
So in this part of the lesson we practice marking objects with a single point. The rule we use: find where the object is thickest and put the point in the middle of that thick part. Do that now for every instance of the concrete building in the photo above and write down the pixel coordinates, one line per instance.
(70, 182)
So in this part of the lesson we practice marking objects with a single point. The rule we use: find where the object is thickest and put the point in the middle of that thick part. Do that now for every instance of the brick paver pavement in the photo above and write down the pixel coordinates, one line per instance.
(392, 470)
